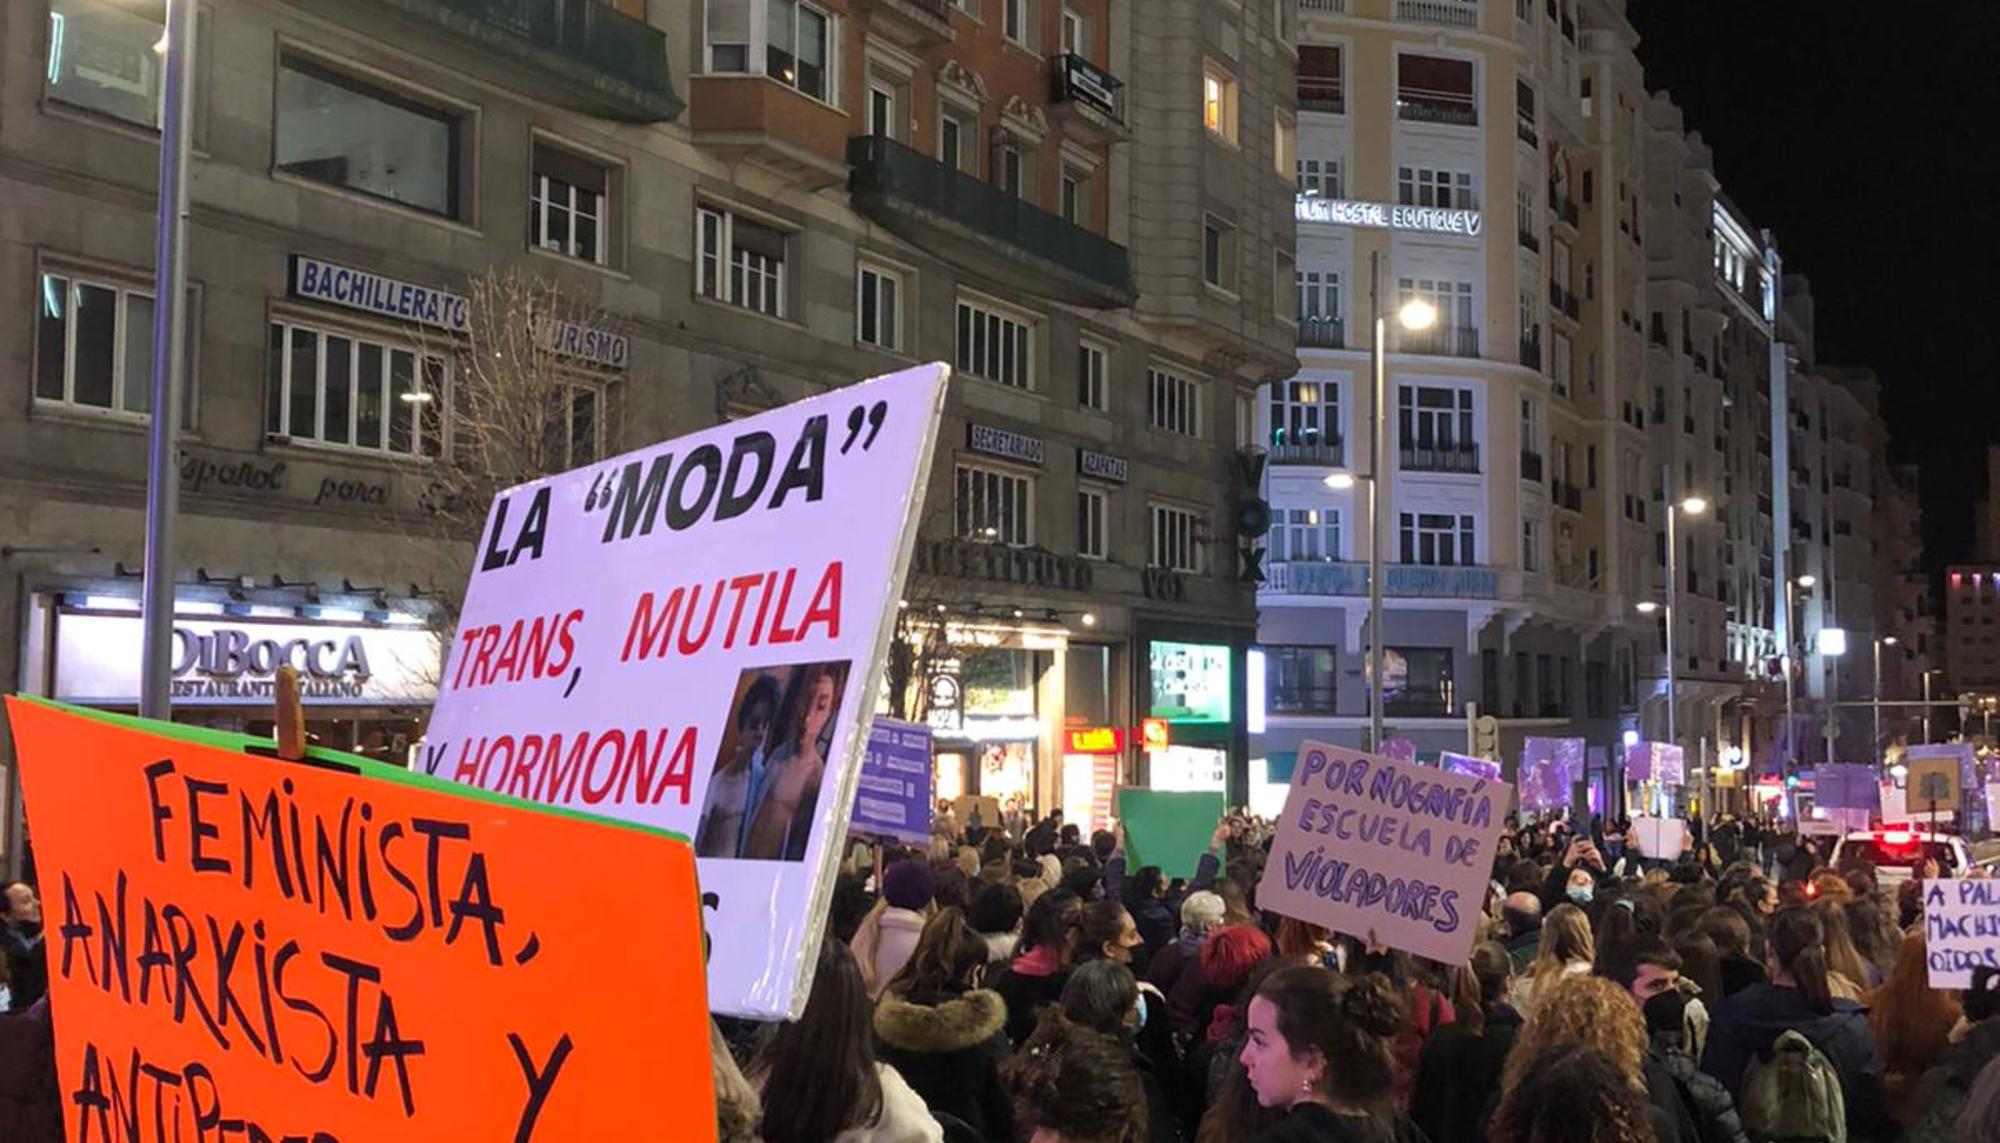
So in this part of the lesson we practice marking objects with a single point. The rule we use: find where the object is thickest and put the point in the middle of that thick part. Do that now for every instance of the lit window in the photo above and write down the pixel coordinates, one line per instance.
(1218, 101)
(334, 388)
(994, 505)
(102, 57)
(797, 41)
(1285, 147)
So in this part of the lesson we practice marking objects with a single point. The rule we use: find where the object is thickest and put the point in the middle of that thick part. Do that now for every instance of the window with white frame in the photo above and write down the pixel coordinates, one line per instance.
(1434, 186)
(94, 345)
(1299, 534)
(1218, 101)
(1305, 412)
(1531, 426)
(995, 345)
(1017, 22)
(740, 261)
(1092, 367)
(1531, 545)
(878, 306)
(1320, 176)
(957, 128)
(882, 117)
(1453, 302)
(1075, 32)
(1176, 544)
(1437, 539)
(1526, 212)
(1012, 167)
(583, 424)
(1173, 402)
(103, 57)
(568, 201)
(792, 41)
(1560, 364)
(356, 391)
(1092, 510)
(1435, 417)
(1246, 420)
(994, 504)
(1319, 294)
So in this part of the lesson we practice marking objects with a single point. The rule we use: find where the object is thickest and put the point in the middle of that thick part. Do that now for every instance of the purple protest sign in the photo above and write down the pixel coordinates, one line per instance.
(1469, 766)
(1847, 786)
(1548, 767)
(1656, 762)
(894, 799)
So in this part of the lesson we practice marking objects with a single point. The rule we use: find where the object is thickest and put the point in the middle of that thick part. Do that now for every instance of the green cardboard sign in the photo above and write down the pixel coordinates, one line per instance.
(1170, 829)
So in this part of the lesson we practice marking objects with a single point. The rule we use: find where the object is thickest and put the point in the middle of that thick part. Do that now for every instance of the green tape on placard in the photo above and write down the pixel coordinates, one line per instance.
(1169, 829)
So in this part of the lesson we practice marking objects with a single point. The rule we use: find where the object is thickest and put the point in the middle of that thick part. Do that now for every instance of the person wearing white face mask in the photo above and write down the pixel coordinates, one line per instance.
(1581, 889)
(1104, 997)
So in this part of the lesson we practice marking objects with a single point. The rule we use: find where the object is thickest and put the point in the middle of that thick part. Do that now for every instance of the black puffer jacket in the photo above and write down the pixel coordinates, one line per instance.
(1942, 1094)
(949, 1046)
(31, 1105)
(1710, 1104)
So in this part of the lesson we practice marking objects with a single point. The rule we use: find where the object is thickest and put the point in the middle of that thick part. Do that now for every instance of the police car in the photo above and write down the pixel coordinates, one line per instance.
(1899, 854)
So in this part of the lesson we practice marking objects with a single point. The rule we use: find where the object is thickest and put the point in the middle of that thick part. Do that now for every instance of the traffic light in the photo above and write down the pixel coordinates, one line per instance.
(1486, 737)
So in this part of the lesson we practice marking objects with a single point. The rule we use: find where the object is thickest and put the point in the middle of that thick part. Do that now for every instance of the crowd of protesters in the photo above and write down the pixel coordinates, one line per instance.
(1024, 981)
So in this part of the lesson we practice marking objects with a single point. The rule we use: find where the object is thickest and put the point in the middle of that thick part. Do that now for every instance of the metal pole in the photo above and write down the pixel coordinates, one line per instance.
(169, 365)
(1788, 763)
(1379, 451)
(1927, 706)
(1673, 577)
(1832, 703)
(1877, 747)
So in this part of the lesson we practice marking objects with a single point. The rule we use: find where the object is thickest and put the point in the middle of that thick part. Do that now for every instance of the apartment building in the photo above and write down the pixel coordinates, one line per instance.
(1420, 125)
(763, 200)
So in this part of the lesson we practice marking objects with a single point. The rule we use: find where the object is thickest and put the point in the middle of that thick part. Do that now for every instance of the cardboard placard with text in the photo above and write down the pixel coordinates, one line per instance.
(1961, 929)
(341, 951)
(692, 636)
(1375, 845)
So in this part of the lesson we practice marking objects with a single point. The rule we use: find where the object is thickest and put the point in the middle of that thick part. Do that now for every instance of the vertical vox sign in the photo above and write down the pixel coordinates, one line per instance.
(339, 951)
(691, 636)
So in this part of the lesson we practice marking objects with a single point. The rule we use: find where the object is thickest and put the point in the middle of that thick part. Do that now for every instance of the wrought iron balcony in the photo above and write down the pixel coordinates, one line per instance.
(1326, 452)
(1419, 106)
(1322, 333)
(1322, 93)
(1440, 341)
(1091, 99)
(1567, 496)
(1531, 466)
(1531, 350)
(1460, 458)
(1450, 13)
(974, 223)
(913, 23)
(1405, 581)
(584, 55)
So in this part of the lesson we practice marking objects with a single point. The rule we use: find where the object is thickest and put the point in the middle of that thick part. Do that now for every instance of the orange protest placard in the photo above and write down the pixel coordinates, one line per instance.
(337, 951)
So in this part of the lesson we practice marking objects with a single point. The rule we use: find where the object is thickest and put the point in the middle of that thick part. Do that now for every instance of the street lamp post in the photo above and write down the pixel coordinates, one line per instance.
(1880, 642)
(1832, 645)
(1692, 506)
(1804, 583)
(1928, 672)
(1415, 314)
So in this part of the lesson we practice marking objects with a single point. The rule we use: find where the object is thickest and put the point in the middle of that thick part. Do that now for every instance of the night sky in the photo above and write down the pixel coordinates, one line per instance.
(1866, 136)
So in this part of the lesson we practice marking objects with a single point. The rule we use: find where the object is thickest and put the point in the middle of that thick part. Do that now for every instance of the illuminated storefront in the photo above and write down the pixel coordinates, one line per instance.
(1194, 681)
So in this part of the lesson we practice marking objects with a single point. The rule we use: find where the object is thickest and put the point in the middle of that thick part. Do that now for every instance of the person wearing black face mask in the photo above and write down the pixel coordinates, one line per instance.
(1648, 969)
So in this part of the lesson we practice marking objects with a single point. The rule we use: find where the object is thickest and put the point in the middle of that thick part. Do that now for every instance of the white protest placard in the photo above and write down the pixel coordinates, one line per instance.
(1661, 839)
(692, 636)
(1961, 929)
(1376, 845)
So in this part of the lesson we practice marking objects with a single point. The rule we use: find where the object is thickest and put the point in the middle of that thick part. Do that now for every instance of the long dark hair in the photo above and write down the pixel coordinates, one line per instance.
(1798, 944)
(1349, 1019)
(1051, 920)
(946, 953)
(1571, 1094)
(823, 1063)
(1077, 1083)
(1102, 923)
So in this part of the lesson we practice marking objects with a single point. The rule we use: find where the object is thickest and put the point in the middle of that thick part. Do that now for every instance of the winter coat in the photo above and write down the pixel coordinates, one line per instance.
(949, 1046)
(1428, 1011)
(1706, 1100)
(27, 964)
(1740, 972)
(1458, 1077)
(895, 943)
(904, 1118)
(1943, 1091)
(1523, 948)
(1744, 1026)
(31, 1109)
(1312, 1123)
(1026, 994)
(1174, 961)
(1157, 918)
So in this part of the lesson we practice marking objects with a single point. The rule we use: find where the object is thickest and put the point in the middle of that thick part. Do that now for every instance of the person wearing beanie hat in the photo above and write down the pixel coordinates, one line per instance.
(888, 937)
(1200, 914)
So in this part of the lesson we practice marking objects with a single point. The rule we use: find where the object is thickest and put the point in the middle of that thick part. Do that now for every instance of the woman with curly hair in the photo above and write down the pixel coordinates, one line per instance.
(1569, 1093)
(1073, 1085)
(1317, 1045)
(1594, 1013)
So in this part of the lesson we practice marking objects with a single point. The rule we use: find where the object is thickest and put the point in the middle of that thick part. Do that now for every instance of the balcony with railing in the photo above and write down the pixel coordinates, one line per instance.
(912, 23)
(582, 55)
(1563, 206)
(973, 223)
(1087, 101)
(1321, 452)
(1458, 458)
(1303, 698)
(1528, 239)
(1524, 130)
(1420, 702)
(1531, 466)
(1322, 93)
(1439, 341)
(1565, 495)
(1401, 581)
(1531, 350)
(1336, 7)
(1423, 105)
(1449, 13)
(1317, 332)
(1561, 300)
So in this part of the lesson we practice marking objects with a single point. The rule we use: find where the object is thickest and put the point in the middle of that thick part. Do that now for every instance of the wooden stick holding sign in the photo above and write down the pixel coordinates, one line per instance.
(291, 716)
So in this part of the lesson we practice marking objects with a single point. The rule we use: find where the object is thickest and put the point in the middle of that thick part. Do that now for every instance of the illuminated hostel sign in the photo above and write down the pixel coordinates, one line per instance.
(1388, 216)
(336, 285)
